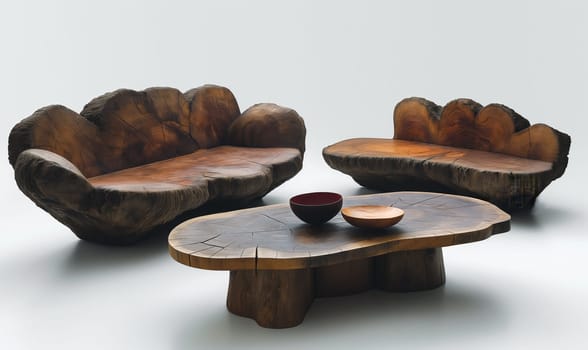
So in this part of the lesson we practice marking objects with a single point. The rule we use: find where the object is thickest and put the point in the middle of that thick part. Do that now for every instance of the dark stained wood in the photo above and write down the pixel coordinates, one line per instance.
(488, 152)
(280, 298)
(281, 241)
(410, 271)
(135, 128)
(268, 125)
(134, 160)
(274, 299)
(344, 279)
(212, 111)
(279, 264)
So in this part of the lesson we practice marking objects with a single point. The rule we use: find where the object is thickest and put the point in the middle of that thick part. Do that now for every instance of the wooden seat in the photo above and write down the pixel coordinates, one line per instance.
(487, 152)
(134, 160)
(225, 171)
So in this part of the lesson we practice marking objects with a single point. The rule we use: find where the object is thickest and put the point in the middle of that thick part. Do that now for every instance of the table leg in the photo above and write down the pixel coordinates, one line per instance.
(345, 278)
(274, 299)
(280, 298)
(410, 271)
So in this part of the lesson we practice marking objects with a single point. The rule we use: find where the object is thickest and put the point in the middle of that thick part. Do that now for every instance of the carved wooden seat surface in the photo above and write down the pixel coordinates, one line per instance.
(488, 152)
(133, 160)
(233, 170)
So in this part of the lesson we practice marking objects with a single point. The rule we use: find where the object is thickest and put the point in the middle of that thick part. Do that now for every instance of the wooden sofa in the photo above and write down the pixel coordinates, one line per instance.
(133, 160)
(487, 152)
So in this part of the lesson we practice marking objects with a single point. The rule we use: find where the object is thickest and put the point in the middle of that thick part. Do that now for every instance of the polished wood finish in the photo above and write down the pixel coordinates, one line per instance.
(464, 123)
(134, 160)
(488, 152)
(268, 125)
(507, 181)
(372, 216)
(306, 261)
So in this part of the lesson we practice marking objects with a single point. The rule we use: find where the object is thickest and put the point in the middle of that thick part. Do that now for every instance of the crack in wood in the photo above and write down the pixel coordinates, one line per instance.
(276, 220)
(206, 240)
(130, 126)
(189, 117)
(215, 245)
(218, 251)
(424, 200)
(124, 130)
(199, 250)
(431, 227)
(444, 154)
(466, 205)
(163, 133)
(267, 166)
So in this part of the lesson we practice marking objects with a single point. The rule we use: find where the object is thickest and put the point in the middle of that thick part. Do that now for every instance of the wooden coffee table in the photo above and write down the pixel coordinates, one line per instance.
(278, 264)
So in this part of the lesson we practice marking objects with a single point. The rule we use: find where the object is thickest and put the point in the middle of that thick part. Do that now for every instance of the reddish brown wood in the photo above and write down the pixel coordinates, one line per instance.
(268, 125)
(464, 123)
(280, 262)
(489, 152)
(134, 160)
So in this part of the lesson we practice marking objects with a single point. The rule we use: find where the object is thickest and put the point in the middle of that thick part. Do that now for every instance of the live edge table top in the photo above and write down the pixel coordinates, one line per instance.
(273, 238)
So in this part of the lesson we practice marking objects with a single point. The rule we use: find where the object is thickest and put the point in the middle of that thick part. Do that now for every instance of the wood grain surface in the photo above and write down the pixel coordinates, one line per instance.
(272, 238)
(275, 299)
(488, 152)
(464, 123)
(134, 160)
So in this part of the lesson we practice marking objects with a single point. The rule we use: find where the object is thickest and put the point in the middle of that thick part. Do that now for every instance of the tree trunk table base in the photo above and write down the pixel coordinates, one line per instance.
(280, 298)
(278, 264)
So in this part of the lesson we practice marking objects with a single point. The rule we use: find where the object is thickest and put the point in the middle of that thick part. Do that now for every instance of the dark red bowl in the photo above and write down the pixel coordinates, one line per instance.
(316, 207)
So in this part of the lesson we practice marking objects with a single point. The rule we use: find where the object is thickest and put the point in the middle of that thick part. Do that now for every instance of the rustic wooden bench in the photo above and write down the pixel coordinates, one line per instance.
(133, 160)
(488, 152)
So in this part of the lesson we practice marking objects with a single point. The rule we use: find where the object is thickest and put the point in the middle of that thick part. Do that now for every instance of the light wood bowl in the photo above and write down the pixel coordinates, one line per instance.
(372, 216)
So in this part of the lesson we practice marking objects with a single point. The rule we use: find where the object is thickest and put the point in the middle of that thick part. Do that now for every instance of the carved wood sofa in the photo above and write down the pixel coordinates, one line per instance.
(133, 160)
(488, 152)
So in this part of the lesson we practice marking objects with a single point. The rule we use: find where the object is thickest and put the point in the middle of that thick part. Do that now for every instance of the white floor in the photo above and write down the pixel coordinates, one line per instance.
(343, 67)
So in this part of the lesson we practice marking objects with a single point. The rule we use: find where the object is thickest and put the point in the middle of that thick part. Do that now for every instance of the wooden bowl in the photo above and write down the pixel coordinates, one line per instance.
(372, 216)
(316, 207)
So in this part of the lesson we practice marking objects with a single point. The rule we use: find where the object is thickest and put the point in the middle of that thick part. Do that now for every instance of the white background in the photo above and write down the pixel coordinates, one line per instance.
(343, 66)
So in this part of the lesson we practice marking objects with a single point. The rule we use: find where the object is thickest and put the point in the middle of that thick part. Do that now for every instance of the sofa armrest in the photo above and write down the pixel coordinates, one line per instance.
(268, 125)
(50, 180)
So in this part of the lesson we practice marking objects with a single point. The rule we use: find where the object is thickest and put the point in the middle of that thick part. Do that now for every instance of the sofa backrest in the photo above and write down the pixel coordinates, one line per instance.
(126, 128)
(467, 124)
